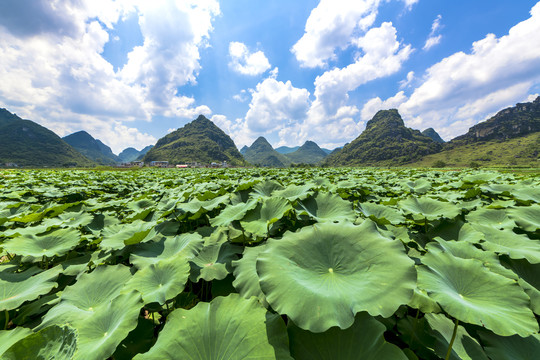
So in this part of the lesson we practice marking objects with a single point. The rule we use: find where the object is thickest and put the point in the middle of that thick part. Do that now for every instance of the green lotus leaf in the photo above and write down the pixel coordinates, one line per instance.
(161, 281)
(321, 276)
(509, 243)
(232, 213)
(465, 347)
(52, 243)
(381, 214)
(214, 262)
(501, 204)
(529, 279)
(497, 218)
(363, 340)
(245, 273)
(116, 237)
(457, 230)
(510, 347)
(187, 245)
(10, 337)
(527, 193)
(258, 220)
(485, 299)
(194, 206)
(423, 302)
(420, 186)
(266, 188)
(294, 192)
(416, 333)
(16, 288)
(498, 189)
(139, 340)
(226, 328)
(327, 207)
(54, 342)
(481, 177)
(100, 222)
(527, 217)
(429, 208)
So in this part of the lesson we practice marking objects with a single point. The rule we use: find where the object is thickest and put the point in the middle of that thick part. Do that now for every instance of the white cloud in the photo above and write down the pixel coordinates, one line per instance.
(433, 38)
(241, 96)
(245, 62)
(371, 107)
(408, 81)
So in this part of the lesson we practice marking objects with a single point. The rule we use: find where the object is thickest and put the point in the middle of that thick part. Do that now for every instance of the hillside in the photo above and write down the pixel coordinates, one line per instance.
(286, 149)
(261, 153)
(28, 144)
(309, 153)
(433, 135)
(385, 142)
(92, 148)
(131, 154)
(198, 141)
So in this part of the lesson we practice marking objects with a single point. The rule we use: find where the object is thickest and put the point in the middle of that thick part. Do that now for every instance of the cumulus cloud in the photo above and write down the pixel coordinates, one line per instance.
(245, 62)
(408, 81)
(371, 107)
(434, 38)
(52, 54)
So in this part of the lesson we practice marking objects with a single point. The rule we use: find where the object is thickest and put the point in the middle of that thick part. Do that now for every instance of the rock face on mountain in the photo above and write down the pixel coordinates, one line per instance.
(92, 148)
(433, 135)
(261, 153)
(198, 141)
(517, 121)
(385, 141)
(25, 143)
(309, 153)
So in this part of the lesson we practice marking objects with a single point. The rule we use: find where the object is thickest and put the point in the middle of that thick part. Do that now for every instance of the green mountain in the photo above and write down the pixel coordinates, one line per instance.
(261, 153)
(309, 153)
(28, 144)
(131, 154)
(286, 149)
(244, 149)
(385, 142)
(198, 141)
(433, 135)
(92, 148)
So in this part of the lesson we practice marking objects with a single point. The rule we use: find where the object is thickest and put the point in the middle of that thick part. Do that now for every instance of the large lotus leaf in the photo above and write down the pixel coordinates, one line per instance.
(52, 343)
(187, 245)
(455, 230)
(498, 189)
(429, 208)
(116, 237)
(509, 243)
(471, 293)
(52, 243)
(246, 280)
(481, 177)
(161, 281)
(527, 217)
(10, 337)
(465, 347)
(232, 213)
(510, 347)
(527, 193)
(266, 188)
(327, 207)
(16, 288)
(423, 302)
(194, 206)
(226, 328)
(529, 279)
(416, 333)
(323, 275)
(381, 214)
(497, 218)
(420, 186)
(100, 334)
(214, 261)
(258, 220)
(295, 192)
(363, 340)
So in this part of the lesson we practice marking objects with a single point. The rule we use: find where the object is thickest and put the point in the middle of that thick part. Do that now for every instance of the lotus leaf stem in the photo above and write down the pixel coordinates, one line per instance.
(7, 320)
(449, 352)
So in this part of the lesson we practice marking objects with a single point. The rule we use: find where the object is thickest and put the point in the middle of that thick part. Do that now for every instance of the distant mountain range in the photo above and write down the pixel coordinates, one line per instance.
(93, 149)
(261, 153)
(131, 154)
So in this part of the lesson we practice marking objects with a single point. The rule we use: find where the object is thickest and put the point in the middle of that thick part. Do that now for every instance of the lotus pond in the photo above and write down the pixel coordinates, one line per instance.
(263, 264)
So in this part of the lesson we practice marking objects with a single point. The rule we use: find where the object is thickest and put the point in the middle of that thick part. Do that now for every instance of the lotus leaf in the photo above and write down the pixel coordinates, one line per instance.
(118, 236)
(509, 243)
(16, 288)
(529, 279)
(51, 243)
(245, 274)
(510, 347)
(363, 340)
(429, 208)
(327, 207)
(295, 192)
(497, 218)
(420, 186)
(233, 212)
(381, 214)
(527, 217)
(52, 343)
(266, 188)
(258, 220)
(10, 337)
(226, 328)
(214, 262)
(471, 293)
(321, 276)
(423, 302)
(456, 230)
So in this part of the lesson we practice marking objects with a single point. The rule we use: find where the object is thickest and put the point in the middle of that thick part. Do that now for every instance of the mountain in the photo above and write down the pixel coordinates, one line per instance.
(143, 152)
(244, 149)
(198, 141)
(286, 149)
(433, 135)
(385, 142)
(131, 154)
(28, 144)
(509, 123)
(328, 151)
(309, 153)
(91, 148)
(261, 153)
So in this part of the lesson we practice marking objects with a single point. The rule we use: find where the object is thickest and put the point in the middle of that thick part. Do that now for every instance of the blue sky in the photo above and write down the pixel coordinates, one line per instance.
(130, 71)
